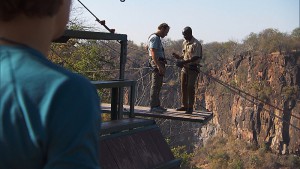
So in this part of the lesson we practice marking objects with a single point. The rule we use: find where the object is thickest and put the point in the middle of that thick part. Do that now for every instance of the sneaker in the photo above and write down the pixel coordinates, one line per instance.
(181, 109)
(156, 110)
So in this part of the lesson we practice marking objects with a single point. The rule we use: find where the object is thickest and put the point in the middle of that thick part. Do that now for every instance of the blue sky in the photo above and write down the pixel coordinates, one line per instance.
(211, 20)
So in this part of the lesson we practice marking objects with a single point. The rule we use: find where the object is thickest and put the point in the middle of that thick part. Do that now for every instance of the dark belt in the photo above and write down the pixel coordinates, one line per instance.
(162, 60)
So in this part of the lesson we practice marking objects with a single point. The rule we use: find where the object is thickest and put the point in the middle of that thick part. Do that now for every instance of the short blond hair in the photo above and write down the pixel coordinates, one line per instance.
(163, 26)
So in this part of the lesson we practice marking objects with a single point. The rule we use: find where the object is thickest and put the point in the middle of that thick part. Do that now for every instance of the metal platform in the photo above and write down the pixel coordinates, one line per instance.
(196, 116)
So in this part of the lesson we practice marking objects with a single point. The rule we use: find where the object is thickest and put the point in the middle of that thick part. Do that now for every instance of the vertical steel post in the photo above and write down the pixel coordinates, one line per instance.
(123, 56)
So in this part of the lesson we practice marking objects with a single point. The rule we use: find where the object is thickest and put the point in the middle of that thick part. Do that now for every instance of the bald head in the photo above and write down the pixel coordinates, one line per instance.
(187, 33)
(187, 30)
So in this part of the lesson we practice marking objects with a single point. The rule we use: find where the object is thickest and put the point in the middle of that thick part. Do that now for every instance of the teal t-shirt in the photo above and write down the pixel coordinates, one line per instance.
(49, 117)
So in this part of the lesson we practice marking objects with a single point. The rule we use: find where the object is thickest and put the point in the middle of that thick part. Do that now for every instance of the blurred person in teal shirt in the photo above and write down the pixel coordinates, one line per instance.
(49, 117)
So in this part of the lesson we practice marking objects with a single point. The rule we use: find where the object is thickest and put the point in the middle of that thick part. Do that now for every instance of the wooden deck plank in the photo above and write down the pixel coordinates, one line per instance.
(106, 158)
(196, 116)
(148, 149)
(122, 153)
(159, 141)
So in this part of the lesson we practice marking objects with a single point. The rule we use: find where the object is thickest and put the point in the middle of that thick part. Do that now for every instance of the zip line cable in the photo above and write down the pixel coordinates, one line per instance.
(231, 88)
(97, 19)
(240, 91)
(103, 23)
(243, 92)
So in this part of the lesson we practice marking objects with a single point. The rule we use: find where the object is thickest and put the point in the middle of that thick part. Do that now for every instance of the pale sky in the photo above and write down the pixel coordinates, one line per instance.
(211, 20)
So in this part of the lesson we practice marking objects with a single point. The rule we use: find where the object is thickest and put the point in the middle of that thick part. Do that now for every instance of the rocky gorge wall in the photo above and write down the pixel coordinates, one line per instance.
(262, 103)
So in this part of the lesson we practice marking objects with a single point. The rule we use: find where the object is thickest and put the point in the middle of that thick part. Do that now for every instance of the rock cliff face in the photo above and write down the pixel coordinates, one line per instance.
(262, 103)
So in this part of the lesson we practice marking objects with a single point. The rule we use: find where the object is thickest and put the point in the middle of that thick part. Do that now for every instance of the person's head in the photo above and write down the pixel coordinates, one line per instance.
(187, 33)
(163, 30)
(58, 10)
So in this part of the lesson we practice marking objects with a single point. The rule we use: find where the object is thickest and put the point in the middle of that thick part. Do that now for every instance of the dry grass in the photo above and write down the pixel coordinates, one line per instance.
(229, 153)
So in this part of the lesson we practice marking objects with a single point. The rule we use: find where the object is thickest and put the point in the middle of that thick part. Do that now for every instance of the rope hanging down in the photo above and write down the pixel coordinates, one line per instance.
(98, 20)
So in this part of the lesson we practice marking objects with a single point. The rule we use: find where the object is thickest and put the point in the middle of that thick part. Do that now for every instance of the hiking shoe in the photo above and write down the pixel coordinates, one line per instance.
(156, 110)
(164, 109)
(181, 109)
(189, 111)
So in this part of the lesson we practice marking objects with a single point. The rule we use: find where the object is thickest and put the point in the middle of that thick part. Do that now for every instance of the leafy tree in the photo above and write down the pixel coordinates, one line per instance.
(295, 36)
(213, 52)
(251, 42)
(296, 33)
(269, 40)
(232, 49)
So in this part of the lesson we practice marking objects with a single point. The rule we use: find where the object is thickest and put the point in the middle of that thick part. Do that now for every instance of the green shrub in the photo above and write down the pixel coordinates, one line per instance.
(181, 152)
(255, 161)
(293, 162)
(289, 91)
(237, 164)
